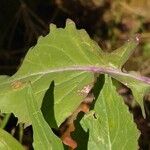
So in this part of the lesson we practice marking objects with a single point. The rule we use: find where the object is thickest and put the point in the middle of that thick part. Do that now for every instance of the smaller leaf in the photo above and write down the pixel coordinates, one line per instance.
(44, 138)
(139, 86)
(8, 142)
(119, 56)
(110, 125)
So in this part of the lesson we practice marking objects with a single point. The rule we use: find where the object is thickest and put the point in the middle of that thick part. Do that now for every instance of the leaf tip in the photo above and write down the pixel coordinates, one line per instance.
(52, 26)
(70, 24)
(69, 21)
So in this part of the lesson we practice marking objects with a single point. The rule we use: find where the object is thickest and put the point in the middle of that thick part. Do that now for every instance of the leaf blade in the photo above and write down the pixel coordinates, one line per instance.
(43, 136)
(122, 54)
(8, 142)
(110, 124)
(70, 58)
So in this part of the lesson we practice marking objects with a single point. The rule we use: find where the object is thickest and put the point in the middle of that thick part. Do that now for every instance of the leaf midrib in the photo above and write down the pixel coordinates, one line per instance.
(93, 69)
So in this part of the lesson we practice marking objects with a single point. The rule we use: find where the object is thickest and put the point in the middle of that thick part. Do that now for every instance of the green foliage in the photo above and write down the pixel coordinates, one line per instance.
(7, 142)
(69, 59)
(43, 135)
(110, 124)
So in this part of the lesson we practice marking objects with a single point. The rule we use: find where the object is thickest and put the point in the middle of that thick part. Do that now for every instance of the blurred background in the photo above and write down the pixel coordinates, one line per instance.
(109, 22)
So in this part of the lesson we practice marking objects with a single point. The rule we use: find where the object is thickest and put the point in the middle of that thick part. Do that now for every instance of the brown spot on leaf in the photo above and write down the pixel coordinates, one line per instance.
(86, 90)
(17, 85)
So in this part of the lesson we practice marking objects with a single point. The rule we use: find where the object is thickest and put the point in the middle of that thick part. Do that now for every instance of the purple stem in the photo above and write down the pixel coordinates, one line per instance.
(114, 72)
(107, 70)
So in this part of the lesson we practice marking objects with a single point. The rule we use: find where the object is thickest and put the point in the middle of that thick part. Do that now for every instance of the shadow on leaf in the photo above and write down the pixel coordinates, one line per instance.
(80, 135)
(48, 106)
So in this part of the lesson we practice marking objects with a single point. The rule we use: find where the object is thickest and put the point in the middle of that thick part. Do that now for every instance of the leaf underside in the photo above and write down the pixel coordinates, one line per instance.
(57, 58)
(68, 59)
(110, 125)
(44, 138)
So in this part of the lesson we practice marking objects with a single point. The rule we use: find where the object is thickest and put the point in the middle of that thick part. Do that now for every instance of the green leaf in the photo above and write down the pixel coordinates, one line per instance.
(119, 56)
(136, 84)
(49, 61)
(68, 58)
(8, 142)
(110, 125)
(44, 138)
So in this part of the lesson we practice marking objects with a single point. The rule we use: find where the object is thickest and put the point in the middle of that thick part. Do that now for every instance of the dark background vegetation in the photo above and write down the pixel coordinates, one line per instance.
(109, 22)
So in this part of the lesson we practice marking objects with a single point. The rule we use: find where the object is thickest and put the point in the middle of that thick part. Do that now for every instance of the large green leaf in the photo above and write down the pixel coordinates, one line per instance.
(111, 126)
(44, 138)
(49, 61)
(68, 58)
(8, 142)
